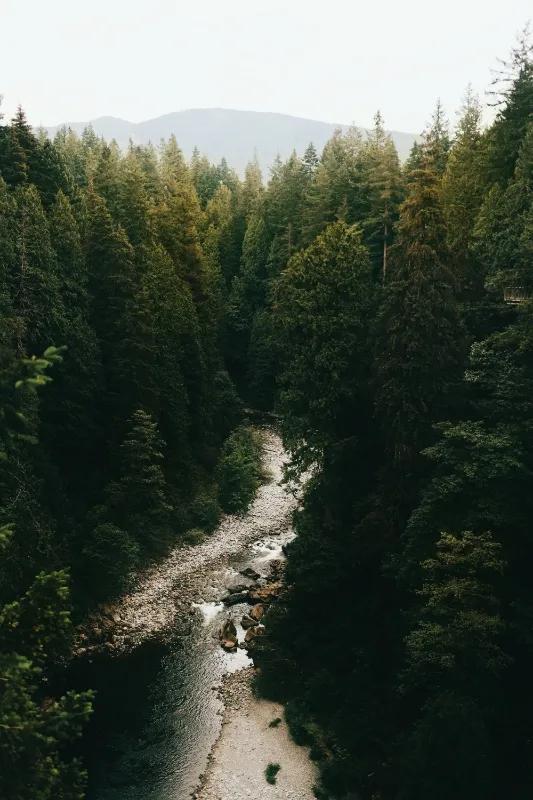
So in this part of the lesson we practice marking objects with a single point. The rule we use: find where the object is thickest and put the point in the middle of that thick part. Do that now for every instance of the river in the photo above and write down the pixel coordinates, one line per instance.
(157, 713)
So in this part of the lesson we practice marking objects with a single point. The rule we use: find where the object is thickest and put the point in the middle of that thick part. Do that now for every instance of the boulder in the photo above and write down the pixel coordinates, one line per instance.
(228, 635)
(248, 622)
(265, 594)
(236, 597)
(235, 588)
(250, 573)
(252, 633)
(257, 611)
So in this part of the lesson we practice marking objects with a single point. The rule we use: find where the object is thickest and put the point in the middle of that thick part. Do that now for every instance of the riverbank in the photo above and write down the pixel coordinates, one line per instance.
(165, 685)
(248, 743)
(162, 601)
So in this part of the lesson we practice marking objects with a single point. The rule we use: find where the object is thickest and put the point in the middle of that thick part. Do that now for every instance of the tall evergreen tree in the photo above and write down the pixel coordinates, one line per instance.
(420, 344)
(138, 499)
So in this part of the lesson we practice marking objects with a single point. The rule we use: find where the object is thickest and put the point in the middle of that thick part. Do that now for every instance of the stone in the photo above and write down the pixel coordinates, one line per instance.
(251, 633)
(236, 588)
(250, 573)
(257, 611)
(248, 622)
(276, 567)
(237, 597)
(265, 594)
(228, 635)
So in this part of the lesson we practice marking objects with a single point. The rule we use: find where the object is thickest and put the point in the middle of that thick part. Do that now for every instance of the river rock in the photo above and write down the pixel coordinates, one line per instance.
(233, 599)
(265, 594)
(228, 635)
(250, 573)
(236, 588)
(257, 611)
(276, 568)
(248, 622)
(252, 633)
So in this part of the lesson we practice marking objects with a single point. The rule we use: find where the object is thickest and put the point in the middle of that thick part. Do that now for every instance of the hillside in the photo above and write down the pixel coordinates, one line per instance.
(235, 135)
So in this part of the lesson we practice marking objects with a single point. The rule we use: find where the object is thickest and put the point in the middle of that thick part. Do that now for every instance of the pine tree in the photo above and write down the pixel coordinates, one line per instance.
(420, 347)
(513, 91)
(137, 501)
(114, 286)
(436, 141)
(34, 281)
(454, 660)
(71, 422)
(324, 375)
(462, 194)
(35, 627)
(384, 184)
(502, 239)
(310, 159)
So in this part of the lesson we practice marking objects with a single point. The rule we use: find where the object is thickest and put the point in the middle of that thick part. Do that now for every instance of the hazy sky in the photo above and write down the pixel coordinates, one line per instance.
(334, 60)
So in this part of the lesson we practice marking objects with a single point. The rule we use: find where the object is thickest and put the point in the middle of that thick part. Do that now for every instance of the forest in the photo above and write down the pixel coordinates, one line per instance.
(382, 311)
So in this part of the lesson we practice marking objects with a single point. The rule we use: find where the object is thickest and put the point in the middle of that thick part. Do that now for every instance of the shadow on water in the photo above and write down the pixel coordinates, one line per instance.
(157, 714)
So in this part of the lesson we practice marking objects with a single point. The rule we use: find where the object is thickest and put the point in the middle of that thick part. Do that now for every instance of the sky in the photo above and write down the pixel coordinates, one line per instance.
(332, 60)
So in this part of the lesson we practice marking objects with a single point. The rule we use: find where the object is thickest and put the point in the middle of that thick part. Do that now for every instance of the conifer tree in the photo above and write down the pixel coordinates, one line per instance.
(137, 501)
(114, 310)
(462, 193)
(324, 377)
(513, 92)
(420, 344)
(70, 403)
(383, 180)
(34, 281)
(436, 141)
(310, 159)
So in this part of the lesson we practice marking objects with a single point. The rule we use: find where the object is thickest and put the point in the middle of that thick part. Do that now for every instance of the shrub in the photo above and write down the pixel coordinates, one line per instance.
(194, 536)
(271, 772)
(239, 472)
(205, 513)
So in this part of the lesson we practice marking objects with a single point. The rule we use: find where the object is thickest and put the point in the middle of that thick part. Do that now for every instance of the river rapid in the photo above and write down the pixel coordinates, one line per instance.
(158, 713)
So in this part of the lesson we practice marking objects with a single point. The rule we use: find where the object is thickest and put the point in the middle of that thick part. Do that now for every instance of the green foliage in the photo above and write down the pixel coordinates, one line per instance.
(239, 471)
(271, 773)
(102, 270)
(325, 357)
(420, 342)
(344, 293)
(402, 648)
(35, 732)
(205, 513)
(194, 536)
(110, 555)
(137, 501)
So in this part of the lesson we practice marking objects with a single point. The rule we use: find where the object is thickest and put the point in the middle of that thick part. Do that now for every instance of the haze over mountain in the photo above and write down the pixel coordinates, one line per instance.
(235, 135)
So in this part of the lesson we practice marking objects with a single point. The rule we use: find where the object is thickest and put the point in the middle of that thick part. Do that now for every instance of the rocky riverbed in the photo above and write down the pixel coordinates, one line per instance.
(174, 707)
(163, 598)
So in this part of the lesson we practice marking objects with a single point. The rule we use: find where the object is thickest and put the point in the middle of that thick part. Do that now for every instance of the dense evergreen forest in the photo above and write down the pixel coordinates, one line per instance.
(382, 310)
(399, 301)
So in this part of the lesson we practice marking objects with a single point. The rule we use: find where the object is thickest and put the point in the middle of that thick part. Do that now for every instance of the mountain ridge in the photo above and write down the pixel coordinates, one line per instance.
(230, 133)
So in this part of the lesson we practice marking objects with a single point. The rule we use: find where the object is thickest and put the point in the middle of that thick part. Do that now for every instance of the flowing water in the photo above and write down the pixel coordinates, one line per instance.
(157, 713)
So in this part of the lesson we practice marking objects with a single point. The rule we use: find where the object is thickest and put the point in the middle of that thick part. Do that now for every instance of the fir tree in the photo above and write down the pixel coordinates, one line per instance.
(420, 346)
(138, 499)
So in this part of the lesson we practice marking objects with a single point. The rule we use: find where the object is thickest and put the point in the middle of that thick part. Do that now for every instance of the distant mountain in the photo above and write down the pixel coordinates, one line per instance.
(219, 132)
